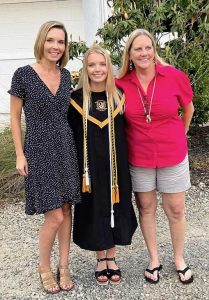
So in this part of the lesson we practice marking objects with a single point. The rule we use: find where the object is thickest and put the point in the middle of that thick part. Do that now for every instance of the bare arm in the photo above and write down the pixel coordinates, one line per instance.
(188, 111)
(15, 112)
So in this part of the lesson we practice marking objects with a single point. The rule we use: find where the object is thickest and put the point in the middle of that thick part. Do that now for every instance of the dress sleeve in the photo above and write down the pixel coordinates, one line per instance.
(17, 87)
(185, 93)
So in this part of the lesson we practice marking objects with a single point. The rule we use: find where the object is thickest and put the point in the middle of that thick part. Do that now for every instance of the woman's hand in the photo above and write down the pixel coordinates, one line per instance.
(22, 165)
(188, 111)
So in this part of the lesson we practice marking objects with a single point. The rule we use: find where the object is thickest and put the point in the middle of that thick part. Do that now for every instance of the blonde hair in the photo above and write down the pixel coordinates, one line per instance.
(126, 52)
(41, 38)
(85, 83)
(112, 100)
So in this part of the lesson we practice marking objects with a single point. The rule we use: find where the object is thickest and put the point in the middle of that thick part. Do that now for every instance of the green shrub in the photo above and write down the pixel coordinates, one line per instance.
(11, 183)
(189, 52)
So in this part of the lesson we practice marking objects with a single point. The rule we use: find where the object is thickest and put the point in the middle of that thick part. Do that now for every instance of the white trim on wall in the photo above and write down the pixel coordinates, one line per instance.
(26, 1)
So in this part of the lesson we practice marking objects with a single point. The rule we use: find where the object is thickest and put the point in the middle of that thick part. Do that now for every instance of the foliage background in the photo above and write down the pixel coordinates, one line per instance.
(188, 20)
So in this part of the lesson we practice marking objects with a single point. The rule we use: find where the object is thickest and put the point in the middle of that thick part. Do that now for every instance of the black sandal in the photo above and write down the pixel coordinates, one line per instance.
(152, 272)
(189, 280)
(112, 272)
(101, 273)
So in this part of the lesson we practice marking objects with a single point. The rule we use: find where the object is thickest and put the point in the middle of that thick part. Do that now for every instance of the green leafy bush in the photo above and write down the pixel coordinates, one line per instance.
(11, 183)
(186, 19)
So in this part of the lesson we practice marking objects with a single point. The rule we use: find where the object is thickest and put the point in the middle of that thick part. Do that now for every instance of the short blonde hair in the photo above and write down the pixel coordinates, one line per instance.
(126, 52)
(85, 83)
(41, 38)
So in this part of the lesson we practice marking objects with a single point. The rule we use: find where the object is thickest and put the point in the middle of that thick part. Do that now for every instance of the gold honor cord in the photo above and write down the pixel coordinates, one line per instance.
(86, 183)
(113, 157)
(113, 161)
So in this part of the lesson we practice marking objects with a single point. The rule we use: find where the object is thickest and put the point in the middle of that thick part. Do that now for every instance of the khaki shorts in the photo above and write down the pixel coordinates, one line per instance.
(172, 179)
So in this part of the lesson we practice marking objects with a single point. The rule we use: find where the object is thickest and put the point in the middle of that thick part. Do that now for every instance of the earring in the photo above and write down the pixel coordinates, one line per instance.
(131, 65)
(154, 60)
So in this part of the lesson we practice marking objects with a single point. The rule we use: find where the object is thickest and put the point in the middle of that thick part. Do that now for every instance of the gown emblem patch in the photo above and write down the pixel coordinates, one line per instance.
(101, 105)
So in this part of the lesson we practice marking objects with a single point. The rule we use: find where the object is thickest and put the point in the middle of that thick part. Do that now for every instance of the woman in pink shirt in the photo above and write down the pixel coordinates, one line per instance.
(157, 144)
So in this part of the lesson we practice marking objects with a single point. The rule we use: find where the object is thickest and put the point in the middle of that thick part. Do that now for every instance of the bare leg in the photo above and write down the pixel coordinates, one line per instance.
(147, 205)
(64, 237)
(102, 265)
(47, 234)
(110, 253)
(174, 207)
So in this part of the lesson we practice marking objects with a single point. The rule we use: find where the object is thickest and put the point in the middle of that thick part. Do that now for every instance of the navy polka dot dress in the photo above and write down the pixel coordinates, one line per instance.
(49, 145)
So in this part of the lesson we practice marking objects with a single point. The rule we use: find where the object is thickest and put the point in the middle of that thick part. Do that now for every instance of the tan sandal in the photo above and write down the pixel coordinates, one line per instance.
(50, 285)
(64, 278)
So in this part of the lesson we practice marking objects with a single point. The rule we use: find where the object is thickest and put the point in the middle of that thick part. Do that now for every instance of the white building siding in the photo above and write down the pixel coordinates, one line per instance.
(19, 24)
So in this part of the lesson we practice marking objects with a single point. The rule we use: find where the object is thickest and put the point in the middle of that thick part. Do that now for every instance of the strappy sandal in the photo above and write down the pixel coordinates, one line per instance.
(112, 272)
(64, 278)
(50, 285)
(189, 280)
(98, 274)
(150, 280)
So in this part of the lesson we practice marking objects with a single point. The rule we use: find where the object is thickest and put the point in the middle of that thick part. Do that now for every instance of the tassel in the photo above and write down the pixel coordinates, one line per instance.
(86, 186)
(87, 177)
(84, 183)
(113, 195)
(112, 218)
(117, 196)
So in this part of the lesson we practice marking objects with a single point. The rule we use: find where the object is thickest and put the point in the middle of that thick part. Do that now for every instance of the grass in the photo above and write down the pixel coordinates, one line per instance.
(7, 153)
(11, 184)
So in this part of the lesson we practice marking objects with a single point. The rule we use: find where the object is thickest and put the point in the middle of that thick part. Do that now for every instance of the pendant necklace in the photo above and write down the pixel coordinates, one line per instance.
(147, 110)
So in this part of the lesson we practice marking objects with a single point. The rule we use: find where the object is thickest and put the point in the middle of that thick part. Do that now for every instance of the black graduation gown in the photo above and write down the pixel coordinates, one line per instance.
(92, 229)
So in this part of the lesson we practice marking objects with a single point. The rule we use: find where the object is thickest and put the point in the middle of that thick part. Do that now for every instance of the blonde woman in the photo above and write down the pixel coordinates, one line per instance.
(157, 144)
(106, 217)
(48, 160)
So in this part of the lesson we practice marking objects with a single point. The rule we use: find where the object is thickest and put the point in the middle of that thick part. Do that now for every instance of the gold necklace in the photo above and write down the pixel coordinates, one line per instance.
(147, 110)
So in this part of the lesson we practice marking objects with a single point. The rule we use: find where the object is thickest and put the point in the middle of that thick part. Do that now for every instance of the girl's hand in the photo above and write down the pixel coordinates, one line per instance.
(22, 165)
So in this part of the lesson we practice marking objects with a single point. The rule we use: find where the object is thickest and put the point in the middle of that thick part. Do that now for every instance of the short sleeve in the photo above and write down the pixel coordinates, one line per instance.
(17, 86)
(118, 84)
(185, 93)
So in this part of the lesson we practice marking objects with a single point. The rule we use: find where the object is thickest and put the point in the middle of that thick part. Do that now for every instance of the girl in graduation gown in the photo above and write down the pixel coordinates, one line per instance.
(105, 217)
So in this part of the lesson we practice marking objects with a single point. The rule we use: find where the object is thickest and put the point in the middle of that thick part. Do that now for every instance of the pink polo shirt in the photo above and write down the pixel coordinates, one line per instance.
(162, 142)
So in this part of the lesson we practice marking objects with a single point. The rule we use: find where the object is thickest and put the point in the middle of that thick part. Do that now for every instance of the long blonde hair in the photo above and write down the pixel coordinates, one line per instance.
(126, 52)
(85, 83)
(112, 100)
(41, 38)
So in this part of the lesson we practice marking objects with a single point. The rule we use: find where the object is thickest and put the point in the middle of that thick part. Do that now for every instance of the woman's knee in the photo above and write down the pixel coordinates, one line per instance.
(146, 203)
(174, 205)
(54, 218)
(175, 213)
(66, 209)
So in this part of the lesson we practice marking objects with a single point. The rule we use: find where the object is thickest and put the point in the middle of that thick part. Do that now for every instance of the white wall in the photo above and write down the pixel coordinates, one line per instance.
(19, 24)
(95, 14)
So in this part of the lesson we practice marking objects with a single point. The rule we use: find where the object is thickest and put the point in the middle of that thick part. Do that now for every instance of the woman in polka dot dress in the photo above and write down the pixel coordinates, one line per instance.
(49, 160)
